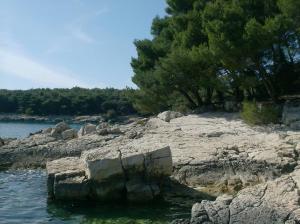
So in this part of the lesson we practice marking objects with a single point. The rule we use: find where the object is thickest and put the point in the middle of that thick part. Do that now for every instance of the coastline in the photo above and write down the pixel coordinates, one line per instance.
(213, 154)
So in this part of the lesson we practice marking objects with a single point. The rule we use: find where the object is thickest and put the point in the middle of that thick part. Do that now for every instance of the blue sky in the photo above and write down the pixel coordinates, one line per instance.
(66, 43)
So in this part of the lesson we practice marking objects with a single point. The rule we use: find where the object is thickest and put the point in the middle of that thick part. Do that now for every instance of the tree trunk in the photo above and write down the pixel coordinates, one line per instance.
(209, 93)
(189, 99)
(198, 98)
(267, 83)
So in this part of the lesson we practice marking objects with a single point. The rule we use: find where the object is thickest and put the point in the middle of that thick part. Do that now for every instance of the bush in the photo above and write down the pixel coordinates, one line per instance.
(263, 113)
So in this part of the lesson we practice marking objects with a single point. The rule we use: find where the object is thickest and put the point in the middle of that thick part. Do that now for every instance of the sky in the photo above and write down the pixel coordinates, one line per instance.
(67, 43)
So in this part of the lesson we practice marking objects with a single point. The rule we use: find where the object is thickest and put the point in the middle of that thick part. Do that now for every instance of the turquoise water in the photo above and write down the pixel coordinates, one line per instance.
(23, 199)
(23, 129)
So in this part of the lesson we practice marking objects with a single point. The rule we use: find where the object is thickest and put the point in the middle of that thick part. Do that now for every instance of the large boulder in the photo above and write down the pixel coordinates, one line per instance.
(102, 164)
(105, 163)
(167, 116)
(66, 179)
(109, 174)
(87, 129)
(59, 129)
(69, 134)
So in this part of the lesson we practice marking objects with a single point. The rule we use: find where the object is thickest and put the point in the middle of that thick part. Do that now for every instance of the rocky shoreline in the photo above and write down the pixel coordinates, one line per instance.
(253, 171)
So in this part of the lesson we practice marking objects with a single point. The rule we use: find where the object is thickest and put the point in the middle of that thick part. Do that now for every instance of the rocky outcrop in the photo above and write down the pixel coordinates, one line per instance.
(214, 153)
(69, 134)
(275, 201)
(87, 129)
(106, 129)
(167, 116)
(59, 129)
(208, 149)
(110, 174)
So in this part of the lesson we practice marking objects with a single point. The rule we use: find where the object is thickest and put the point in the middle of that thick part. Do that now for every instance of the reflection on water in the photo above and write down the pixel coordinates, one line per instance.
(23, 200)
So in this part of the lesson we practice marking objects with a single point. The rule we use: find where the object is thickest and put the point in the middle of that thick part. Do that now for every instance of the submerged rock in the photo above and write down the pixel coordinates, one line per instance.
(107, 174)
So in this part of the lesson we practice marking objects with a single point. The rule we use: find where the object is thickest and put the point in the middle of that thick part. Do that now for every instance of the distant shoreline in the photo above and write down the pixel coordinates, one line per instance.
(51, 119)
(54, 119)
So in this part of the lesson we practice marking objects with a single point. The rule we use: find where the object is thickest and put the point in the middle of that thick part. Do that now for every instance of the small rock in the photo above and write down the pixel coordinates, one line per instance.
(167, 116)
(87, 129)
(132, 134)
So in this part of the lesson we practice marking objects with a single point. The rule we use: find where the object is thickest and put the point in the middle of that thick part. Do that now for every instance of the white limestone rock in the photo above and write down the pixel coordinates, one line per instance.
(159, 162)
(65, 177)
(167, 116)
(87, 129)
(59, 128)
(102, 164)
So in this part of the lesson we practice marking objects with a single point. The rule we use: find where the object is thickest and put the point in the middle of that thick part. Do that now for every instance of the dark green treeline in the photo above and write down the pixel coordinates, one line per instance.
(75, 101)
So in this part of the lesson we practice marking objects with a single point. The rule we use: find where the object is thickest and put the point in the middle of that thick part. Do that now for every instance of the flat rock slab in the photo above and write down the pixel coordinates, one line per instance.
(107, 174)
(109, 162)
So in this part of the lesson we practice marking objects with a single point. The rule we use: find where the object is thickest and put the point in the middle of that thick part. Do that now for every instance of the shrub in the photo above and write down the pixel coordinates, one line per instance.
(263, 113)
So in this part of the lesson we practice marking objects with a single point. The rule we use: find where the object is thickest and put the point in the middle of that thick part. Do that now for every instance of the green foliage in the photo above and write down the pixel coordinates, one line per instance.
(262, 114)
(75, 101)
(210, 50)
